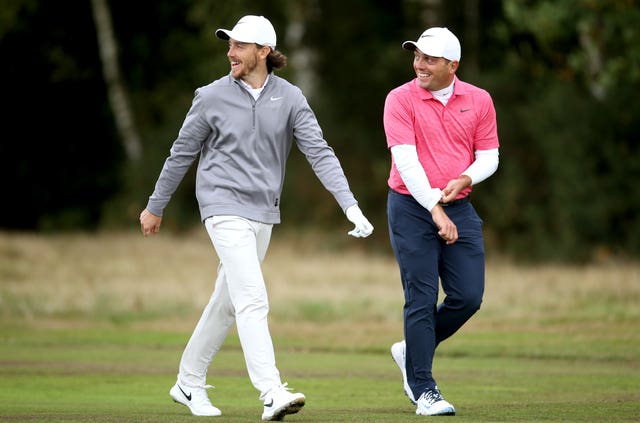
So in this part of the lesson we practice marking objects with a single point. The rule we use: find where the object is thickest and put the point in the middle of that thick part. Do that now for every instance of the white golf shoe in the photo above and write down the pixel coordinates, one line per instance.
(398, 351)
(431, 403)
(278, 402)
(196, 399)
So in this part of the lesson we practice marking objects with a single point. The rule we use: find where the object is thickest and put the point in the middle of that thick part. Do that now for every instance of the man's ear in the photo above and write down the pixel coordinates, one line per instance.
(454, 66)
(264, 51)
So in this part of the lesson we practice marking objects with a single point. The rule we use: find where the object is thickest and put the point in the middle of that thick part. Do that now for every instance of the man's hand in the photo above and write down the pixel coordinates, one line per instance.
(446, 228)
(454, 187)
(363, 228)
(149, 223)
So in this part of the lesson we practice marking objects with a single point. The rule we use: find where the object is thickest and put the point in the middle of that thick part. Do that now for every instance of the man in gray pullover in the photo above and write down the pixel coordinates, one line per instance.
(242, 127)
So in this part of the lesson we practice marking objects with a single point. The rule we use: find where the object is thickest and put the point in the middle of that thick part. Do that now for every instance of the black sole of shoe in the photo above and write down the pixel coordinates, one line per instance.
(292, 408)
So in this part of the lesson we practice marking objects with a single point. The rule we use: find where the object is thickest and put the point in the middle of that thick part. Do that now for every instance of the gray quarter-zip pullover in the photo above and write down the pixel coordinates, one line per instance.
(243, 146)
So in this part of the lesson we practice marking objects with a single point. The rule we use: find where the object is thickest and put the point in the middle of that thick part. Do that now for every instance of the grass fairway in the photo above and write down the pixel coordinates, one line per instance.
(92, 328)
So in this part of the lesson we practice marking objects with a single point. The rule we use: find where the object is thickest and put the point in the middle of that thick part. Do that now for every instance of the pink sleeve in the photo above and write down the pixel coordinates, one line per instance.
(398, 121)
(486, 136)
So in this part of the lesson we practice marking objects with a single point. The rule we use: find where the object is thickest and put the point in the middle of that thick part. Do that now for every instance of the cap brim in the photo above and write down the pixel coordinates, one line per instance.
(223, 34)
(409, 45)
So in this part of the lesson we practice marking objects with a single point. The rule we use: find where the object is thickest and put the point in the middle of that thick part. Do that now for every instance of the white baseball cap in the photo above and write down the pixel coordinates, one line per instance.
(436, 42)
(251, 29)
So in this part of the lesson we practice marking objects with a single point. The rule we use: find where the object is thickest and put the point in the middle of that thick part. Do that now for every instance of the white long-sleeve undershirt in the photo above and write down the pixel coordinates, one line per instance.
(485, 164)
(415, 179)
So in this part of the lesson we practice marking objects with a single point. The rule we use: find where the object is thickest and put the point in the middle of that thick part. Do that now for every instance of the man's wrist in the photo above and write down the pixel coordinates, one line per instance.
(466, 180)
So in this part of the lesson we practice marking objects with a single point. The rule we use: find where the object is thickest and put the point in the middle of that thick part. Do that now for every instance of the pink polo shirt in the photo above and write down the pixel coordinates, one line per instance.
(445, 137)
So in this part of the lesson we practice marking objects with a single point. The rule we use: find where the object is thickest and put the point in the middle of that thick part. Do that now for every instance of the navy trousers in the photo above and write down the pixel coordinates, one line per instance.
(424, 259)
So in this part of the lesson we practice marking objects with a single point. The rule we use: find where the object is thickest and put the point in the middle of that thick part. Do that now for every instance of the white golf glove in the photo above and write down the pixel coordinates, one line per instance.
(363, 227)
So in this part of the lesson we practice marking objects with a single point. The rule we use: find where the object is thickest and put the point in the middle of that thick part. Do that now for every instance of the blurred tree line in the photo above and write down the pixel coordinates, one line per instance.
(565, 78)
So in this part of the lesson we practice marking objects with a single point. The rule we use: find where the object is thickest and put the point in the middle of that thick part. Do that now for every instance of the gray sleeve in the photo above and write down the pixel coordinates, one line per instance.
(184, 151)
(320, 155)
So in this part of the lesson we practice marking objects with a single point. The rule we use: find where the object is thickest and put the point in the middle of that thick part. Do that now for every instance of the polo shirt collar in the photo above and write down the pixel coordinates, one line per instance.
(458, 89)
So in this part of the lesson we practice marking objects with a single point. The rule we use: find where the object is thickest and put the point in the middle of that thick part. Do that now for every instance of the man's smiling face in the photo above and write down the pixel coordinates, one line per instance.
(433, 73)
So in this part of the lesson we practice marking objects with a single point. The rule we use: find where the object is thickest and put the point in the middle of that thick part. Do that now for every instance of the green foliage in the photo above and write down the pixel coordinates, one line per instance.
(61, 161)
(569, 130)
(563, 75)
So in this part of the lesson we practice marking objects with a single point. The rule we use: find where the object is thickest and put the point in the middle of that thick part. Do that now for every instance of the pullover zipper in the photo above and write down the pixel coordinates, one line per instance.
(253, 110)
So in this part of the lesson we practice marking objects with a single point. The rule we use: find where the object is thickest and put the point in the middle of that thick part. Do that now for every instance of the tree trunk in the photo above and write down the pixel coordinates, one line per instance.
(302, 56)
(431, 14)
(471, 37)
(116, 91)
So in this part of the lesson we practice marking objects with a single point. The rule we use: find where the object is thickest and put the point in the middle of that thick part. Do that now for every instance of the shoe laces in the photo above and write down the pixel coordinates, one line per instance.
(200, 394)
(431, 396)
(274, 389)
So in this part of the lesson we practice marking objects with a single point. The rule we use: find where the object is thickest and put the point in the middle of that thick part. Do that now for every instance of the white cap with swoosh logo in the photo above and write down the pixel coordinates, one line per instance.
(251, 29)
(436, 42)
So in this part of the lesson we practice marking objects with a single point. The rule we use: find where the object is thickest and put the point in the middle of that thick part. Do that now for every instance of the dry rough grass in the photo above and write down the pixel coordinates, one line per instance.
(311, 279)
(552, 342)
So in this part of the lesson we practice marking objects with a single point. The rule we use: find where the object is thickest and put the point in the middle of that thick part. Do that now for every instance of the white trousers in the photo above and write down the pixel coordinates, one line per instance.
(239, 296)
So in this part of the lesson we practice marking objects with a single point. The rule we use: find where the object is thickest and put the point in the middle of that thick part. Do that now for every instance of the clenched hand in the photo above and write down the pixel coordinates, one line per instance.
(149, 223)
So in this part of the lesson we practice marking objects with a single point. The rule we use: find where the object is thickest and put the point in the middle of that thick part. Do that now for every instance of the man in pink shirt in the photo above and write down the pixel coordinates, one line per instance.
(442, 135)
